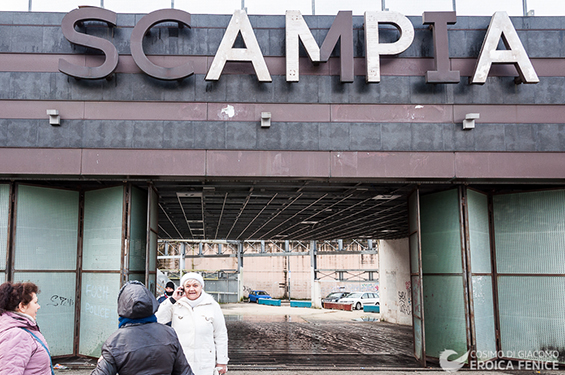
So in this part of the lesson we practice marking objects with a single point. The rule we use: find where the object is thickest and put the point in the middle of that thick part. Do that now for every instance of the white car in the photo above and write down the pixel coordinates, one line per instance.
(360, 299)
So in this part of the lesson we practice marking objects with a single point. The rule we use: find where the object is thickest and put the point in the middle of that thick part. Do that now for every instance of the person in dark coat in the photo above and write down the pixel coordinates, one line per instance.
(141, 346)
(169, 289)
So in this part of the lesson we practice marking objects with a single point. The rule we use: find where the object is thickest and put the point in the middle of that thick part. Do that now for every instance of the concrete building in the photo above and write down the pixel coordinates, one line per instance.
(119, 130)
(284, 269)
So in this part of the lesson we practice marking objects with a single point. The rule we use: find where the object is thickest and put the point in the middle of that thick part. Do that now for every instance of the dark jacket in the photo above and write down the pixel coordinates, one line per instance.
(141, 349)
(162, 298)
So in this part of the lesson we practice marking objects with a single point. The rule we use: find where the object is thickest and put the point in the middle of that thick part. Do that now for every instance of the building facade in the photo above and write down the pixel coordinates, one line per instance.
(463, 116)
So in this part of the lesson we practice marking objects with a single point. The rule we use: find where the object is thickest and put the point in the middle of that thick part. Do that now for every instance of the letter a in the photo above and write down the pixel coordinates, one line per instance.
(500, 25)
(239, 23)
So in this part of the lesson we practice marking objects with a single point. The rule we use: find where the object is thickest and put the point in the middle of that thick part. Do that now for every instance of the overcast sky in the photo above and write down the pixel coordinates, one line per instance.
(406, 7)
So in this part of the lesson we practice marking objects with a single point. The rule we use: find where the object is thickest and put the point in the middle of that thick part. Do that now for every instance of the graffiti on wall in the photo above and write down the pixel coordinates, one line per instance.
(98, 296)
(57, 300)
(247, 289)
(405, 299)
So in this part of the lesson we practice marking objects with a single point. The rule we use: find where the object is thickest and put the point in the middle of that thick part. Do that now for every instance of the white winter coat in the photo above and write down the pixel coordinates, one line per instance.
(201, 331)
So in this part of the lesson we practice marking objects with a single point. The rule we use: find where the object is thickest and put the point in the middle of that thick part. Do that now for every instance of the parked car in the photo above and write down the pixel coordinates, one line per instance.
(334, 296)
(360, 299)
(255, 295)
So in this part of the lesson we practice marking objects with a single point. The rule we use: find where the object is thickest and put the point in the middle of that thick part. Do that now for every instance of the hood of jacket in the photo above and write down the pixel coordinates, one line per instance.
(12, 320)
(135, 301)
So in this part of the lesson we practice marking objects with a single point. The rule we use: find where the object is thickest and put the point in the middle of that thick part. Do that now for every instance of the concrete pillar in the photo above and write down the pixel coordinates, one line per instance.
(394, 281)
(316, 294)
(240, 291)
(182, 259)
(315, 290)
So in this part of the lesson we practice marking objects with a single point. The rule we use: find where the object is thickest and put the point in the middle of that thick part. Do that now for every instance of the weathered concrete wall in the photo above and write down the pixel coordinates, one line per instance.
(351, 283)
(211, 264)
(266, 273)
(401, 113)
(396, 291)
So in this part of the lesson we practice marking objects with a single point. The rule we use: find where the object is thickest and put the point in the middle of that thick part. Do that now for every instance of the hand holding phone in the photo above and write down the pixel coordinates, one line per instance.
(178, 293)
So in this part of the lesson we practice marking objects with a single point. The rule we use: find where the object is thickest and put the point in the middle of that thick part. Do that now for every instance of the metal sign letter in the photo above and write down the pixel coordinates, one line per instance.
(374, 49)
(296, 28)
(341, 29)
(501, 26)
(136, 40)
(68, 27)
(439, 22)
(239, 23)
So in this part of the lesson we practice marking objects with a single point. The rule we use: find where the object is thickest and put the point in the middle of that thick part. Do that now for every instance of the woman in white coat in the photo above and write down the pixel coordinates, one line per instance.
(200, 326)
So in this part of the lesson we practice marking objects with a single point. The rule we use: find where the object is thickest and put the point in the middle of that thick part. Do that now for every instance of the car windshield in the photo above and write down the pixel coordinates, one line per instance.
(261, 293)
(333, 295)
(355, 295)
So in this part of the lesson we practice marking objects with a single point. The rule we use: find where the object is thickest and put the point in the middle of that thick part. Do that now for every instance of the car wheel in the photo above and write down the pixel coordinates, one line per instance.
(358, 306)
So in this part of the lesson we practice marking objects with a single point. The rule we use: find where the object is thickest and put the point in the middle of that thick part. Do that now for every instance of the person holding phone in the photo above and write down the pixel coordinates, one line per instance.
(199, 323)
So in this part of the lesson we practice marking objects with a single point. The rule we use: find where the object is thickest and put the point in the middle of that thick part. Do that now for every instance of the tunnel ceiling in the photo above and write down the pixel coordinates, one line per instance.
(282, 210)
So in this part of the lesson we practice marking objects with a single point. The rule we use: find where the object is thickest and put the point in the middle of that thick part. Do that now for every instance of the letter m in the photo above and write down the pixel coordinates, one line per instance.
(297, 29)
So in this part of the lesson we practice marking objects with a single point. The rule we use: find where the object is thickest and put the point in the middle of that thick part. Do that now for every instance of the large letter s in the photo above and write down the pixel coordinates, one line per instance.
(73, 36)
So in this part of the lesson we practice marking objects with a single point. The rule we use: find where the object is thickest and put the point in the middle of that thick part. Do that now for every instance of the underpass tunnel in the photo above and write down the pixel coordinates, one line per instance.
(316, 222)
(443, 270)
(297, 240)
(450, 264)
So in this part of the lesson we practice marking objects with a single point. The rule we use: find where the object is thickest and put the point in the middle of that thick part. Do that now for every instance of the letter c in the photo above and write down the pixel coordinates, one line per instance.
(136, 44)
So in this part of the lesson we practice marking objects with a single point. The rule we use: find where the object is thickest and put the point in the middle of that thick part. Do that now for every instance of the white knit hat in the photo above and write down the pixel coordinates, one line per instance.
(192, 276)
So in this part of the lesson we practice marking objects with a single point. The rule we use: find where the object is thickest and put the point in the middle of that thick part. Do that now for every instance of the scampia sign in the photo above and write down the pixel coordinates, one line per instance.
(297, 31)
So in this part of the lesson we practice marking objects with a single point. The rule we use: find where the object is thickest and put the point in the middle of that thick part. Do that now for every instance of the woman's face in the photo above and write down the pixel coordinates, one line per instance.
(192, 289)
(31, 308)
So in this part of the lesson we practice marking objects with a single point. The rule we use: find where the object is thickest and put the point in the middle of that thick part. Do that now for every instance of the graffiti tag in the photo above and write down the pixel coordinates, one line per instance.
(405, 300)
(56, 300)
